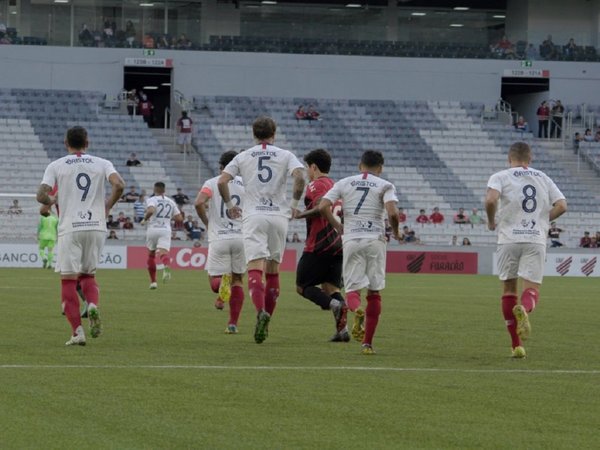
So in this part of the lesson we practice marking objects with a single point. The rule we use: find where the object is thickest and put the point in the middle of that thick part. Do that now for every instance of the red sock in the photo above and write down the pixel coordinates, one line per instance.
(71, 302)
(353, 300)
(508, 303)
(165, 259)
(235, 304)
(152, 267)
(272, 292)
(215, 282)
(371, 317)
(529, 299)
(90, 289)
(256, 289)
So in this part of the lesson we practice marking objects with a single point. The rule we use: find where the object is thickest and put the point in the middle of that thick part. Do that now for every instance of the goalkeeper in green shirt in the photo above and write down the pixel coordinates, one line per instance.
(47, 235)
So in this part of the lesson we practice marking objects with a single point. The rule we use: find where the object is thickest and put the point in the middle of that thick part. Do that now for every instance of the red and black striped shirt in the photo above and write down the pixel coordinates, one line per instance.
(321, 237)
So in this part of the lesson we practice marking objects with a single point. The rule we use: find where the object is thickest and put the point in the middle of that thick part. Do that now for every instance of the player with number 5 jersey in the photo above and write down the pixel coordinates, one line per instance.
(366, 198)
(264, 170)
(160, 210)
(79, 178)
(526, 200)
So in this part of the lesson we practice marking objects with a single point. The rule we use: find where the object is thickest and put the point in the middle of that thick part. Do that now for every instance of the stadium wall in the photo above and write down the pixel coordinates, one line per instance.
(286, 75)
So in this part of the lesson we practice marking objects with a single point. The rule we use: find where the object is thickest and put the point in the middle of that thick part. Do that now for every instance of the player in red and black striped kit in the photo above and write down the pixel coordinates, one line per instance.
(321, 261)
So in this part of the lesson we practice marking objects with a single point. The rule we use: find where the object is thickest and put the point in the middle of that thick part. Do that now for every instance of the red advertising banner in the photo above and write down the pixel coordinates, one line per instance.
(431, 262)
(193, 258)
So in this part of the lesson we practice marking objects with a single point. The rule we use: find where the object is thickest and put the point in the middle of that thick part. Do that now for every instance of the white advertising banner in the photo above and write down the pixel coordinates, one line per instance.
(567, 265)
(27, 255)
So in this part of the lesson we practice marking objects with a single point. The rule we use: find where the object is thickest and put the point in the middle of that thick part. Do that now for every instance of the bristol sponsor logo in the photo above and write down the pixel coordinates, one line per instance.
(185, 257)
(564, 265)
(588, 266)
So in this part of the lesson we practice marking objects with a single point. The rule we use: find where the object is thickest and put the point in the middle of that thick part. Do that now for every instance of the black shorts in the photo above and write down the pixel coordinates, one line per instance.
(314, 269)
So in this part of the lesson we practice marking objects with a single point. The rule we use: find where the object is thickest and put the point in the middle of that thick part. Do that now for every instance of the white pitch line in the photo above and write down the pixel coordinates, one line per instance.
(306, 368)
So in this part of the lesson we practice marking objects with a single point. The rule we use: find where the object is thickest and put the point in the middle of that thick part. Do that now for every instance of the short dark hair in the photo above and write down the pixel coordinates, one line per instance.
(77, 138)
(184, 113)
(520, 151)
(159, 186)
(264, 128)
(320, 157)
(372, 158)
(226, 158)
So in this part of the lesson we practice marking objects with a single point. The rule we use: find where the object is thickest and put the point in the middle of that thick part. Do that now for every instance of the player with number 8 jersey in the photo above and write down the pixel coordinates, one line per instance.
(526, 200)
(80, 179)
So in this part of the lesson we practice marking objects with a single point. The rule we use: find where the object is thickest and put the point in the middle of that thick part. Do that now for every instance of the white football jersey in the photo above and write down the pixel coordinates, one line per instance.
(363, 198)
(80, 178)
(165, 209)
(526, 198)
(264, 169)
(220, 225)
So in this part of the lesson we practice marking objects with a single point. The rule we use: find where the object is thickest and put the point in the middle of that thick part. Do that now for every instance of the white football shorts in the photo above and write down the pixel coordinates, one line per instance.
(521, 260)
(364, 264)
(158, 238)
(79, 252)
(264, 237)
(226, 256)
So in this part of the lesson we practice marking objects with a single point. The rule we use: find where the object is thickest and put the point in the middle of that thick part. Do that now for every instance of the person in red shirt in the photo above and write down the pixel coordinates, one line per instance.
(145, 109)
(543, 113)
(184, 127)
(401, 215)
(422, 217)
(300, 113)
(586, 240)
(321, 261)
(436, 217)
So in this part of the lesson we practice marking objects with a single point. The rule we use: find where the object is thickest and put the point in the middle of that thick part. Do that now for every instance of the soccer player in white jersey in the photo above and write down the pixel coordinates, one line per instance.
(80, 179)
(365, 199)
(528, 200)
(160, 210)
(226, 256)
(264, 169)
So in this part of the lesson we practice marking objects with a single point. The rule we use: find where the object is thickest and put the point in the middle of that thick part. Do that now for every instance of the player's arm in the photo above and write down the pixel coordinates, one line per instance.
(200, 205)
(325, 208)
(178, 216)
(147, 214)
(313, 212)
(392, 212)
(117, 187)
(235, 212)
(558, 209)
(298, 175)
(43, 195)
(491, 206)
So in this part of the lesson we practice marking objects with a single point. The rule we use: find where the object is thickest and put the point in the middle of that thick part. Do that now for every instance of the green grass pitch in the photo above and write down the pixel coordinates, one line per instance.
(164, 375)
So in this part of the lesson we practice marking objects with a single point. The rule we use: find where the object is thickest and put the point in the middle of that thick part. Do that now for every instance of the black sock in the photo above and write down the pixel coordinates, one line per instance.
(338, 296)
(317, 296)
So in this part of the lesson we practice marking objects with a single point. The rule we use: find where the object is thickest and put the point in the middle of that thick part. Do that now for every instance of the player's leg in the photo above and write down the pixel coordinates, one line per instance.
(151, 241)
(215, 268)
(42, 252)
(277, 233)
(355, 279)
(375, 255)
(70, 253)
(508, 265)
(271, 286)
(237, 267)
(531, 264)
(165, 259)
(331, 286)
(308, 276)
(94, 242)
(50, 248)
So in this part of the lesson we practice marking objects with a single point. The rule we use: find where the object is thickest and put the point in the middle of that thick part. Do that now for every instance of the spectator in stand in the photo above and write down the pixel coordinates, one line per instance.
(173, 43)
(295, 237)
(548, 49)
(554, 235)
(522, 125)
(133, 161)
(466, 241)
(128, 225)
(111, 223)
(312, 114)
(112, 234)
(184, 128)
(121, 219)
(454, 240)
(460, 217)
(408, 235)
(576, 141)
(131, 196)
(588, 136)
(163, 42)
(183, 43)
(132, 101)
(196, 233)
(543, 114)
(15, 208)
(300, 113)
(174, 235)
(181, 199)
(436, 217)
(86, 38)
(129, 33)
(597, 136)
(422, 217)
(532, 53)
(149, 41)
(402, 215)
(475, 218)
(139, 207)
(145, 109)
(188, 225)
(593, 242)
(570, 49)
(504, 48)
(557, 119)
(586, 240)
(5, 39)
